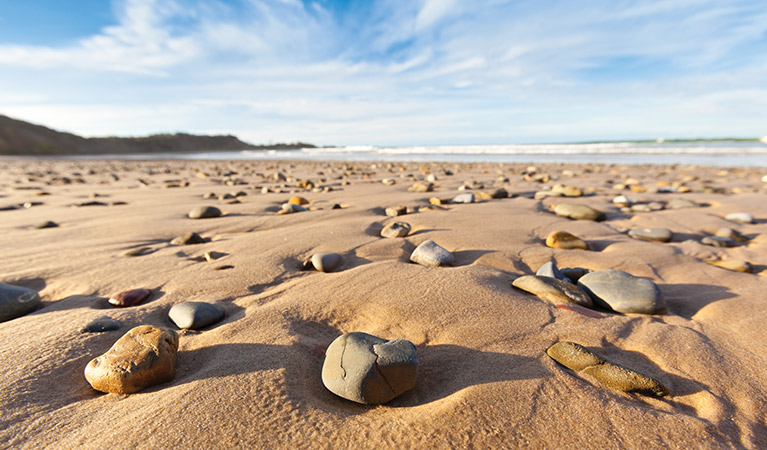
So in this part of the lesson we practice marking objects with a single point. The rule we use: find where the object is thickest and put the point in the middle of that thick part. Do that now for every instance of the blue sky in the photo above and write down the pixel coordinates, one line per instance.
(397, 72)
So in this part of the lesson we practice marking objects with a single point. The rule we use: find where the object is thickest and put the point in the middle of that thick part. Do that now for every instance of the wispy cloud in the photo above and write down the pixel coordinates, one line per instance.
(434, 71)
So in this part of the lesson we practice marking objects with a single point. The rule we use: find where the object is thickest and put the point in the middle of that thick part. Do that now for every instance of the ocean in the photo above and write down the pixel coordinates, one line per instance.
(700, 153)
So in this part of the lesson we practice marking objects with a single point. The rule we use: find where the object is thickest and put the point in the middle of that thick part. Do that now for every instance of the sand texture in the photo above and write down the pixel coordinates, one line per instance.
(253, 380)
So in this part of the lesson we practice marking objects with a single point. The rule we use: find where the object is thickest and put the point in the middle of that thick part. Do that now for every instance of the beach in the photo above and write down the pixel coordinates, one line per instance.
(484, 377)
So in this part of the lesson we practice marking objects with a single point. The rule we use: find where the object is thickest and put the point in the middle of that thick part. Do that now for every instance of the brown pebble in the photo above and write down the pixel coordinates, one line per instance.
(565, 240)
(130, 298)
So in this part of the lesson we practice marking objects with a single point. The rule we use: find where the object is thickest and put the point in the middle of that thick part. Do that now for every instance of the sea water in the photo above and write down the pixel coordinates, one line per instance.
(700, 153)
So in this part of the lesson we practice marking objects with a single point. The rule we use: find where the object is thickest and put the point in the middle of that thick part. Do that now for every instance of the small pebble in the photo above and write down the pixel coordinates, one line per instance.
(326, 262)
(212, 256)
(430, 254)
(394, 211)
(395, 230)
(290, 208)
(195, 315)
(421, 187)
(565, 240)
(740, 217)
(101, 324)
(188, 239)
(130, 298)
(139, 251)
(735, 235)
(718, 241)
(578, 212)
(736, 265)
(467, 197)
(651, 234)
(551, 270)
(46, 224)
(553, 290)
(681, 203)
(204, 212)
(297, 200)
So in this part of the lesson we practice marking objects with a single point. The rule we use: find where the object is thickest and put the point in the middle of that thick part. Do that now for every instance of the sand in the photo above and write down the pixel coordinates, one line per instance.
(484, 380)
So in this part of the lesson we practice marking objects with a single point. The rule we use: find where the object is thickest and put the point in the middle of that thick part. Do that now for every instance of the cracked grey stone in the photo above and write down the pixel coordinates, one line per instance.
(367, 369)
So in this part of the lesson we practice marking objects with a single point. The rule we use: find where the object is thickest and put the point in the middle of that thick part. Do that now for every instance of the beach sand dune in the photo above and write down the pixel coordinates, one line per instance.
(253, 380)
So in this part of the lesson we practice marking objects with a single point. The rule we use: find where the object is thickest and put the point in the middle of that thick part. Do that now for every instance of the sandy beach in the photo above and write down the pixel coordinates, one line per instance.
(484, 379)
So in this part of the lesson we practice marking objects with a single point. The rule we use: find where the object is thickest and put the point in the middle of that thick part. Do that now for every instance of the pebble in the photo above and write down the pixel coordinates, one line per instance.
(651, 234)
(195, 315)
(101, 324)
(567, 191)
(326, 262)
(395, 230)
(204, 212)
(16, 301)
(421, 187)
(46, 224)
(718, 241)
(290, 208)
(430, 254)
(681, 203)
(578, 212)
(188, 239)
(740, 217)
(130, 298)
(736, 265)
(394, 211)
(551, 270)
(212, 256)
(565, 240)
(367, 369)
(143, 357)
(467, 197)
(735, 235)
(139, 251)
(623, 200)
(579, 359)
(493, 194)
(553, 290)
(574, 273)
(297, 200)
(622, 292)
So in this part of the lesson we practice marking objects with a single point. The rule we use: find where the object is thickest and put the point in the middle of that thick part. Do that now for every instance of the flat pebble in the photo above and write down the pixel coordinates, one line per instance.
(395, 230)
(579, 359)
(430, 254)
(101, 324)
(565, 240)
(367, 369)
(143, 357)
(195, 315)
(718, 241)
(553, 290)
(204, 212)
(16, 301)
(736, 265)
(578, 212)
(467, 197)
(130, 298)
(740, 217)
(46, 224)
(651, 234)
(622, 292)
(188, 239)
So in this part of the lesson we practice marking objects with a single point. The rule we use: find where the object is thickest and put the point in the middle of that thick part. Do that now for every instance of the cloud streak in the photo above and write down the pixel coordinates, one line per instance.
(403, 72)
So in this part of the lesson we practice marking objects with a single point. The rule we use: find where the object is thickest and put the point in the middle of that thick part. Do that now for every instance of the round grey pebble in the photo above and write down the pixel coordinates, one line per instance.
(16, 301)
(194, 315)
(101, 324)
(622, 292)
(204, 212)
(367, 369)
(327, 262)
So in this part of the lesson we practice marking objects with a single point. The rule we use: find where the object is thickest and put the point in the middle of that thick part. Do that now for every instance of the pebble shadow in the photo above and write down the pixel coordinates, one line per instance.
(687, 299)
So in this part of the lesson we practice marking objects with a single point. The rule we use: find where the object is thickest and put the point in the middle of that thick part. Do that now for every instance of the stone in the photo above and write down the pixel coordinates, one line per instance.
(297, 200)
(195, 315)
(190, 238)
(326, 262)
(143, 357)
(579, 359)
(130, 298)
(622, 200)
(718, 241)
(651, 234)
(567, 191)
(394, 211)
(681, 203)
(421, 187)
(367, 369)
(204, 212)
(735, 235)
(740, 217)
(438, 201)
(546, 194)
(574, 273)
(430, 254)
(16, 301)
(139, 251)
(389, 181)
(467, 197)
(736, 265)
(565, 240)
(46, 224)
(493, 194)
(578, 212)
(101, 324)
(395, 230)
(551, 270)
(553, 290)
(622, 292)
(290, 208)
(212, 256)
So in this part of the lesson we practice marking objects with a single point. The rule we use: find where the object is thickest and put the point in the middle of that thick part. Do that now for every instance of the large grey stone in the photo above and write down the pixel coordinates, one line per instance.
(622, 292)
(651, 234)
(16, 301)
(194, 315)
(430, 254)
(367, 369)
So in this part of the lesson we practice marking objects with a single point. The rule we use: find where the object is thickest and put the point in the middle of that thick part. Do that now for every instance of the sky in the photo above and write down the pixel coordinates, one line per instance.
(388, 73)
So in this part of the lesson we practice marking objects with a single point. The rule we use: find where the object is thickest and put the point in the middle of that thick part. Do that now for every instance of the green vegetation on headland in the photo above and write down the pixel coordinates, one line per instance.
(25, 139)
(674, 141)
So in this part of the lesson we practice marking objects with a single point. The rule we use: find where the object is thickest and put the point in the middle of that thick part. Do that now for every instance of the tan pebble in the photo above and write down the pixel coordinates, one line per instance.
(565, 240)
(297, 200)
(736, 265)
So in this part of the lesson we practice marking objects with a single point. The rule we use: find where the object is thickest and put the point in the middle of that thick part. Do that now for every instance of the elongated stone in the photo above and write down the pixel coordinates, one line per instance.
(579, 359)
(553, 290)
(651, 234)
(578, 212)
(736, 265)
(367, 369)
(143, 357)
(130, 298)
